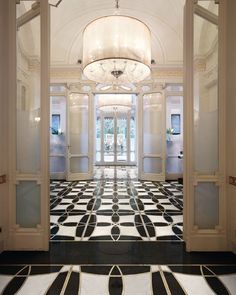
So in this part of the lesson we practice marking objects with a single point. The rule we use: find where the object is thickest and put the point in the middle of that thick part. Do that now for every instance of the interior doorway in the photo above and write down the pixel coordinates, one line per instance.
(115, 129)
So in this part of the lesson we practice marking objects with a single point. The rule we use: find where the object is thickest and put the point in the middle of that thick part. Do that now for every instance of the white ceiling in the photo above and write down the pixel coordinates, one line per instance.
(163, 17)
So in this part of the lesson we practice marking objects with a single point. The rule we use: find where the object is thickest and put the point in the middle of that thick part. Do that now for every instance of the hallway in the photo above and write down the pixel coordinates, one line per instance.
(147, 84)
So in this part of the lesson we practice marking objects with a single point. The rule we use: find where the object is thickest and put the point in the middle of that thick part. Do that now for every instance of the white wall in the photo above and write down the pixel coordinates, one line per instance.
(231, 113)
(3, 115)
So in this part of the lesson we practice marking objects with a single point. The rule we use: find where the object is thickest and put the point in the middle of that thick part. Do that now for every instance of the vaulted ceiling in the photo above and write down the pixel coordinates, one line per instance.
(163, 17)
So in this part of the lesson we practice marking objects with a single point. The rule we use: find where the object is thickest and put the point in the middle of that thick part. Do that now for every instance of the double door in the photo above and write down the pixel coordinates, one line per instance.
(115, 139)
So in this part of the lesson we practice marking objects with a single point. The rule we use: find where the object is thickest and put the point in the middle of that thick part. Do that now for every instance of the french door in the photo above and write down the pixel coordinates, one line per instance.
(79, 136)
(29, 43)
(152, 137)
(204, 151)
(115, 139)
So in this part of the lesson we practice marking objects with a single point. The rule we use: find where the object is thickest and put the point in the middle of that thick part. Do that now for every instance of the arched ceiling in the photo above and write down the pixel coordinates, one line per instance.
(163, 17)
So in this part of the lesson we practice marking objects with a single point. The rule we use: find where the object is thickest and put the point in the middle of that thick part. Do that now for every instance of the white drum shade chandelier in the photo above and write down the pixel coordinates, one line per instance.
(116, 50)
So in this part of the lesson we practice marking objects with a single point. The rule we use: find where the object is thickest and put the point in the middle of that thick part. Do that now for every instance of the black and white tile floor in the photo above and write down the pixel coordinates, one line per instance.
(117, 279)
(86, 216)
(116, 210)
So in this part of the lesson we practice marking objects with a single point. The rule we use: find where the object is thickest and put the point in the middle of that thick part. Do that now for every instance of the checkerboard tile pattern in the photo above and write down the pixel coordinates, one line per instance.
(116, 210)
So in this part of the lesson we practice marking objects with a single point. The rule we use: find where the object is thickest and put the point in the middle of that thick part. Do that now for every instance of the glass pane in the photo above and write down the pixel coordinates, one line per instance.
(206, 205)
(109, 139)
(174, 140)
(28, 204)
(57, 125)
(98, 134)
(57, 164)
(206, 135)
(152, 123)
(176, 123)
(174, 165)
(152, 165)
(28, 96)
(78, 123)
(98, 156)
(121, 144)
(132, 139)
(132, 156)
(79, 165)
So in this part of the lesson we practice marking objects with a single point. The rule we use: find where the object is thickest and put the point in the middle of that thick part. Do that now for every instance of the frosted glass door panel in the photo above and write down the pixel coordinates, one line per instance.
(152, 123)
(28, 99)
(174, 165)
(28, 204)
(153, 138)
(206, 198)
(57, 164)
(152, 165)
(79, 165)
(78, 122)
(206, 131)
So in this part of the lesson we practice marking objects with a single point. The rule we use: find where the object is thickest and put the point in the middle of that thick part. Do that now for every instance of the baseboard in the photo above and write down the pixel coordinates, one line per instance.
(207, 243)
(27, 242)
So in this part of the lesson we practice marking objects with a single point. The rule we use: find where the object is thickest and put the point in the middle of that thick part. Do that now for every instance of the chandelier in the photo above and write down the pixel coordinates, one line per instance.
(116, 50)
(114, 102)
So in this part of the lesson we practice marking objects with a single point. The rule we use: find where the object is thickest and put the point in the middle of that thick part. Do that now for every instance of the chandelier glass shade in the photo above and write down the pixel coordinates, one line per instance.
(115, 102)
(116, 50)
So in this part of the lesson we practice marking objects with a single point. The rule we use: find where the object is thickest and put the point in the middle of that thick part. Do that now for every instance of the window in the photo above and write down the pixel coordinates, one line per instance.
(175, 123)
(55, 124)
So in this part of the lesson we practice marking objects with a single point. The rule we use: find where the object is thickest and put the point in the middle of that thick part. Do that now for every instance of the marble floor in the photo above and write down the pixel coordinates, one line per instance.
(117, 279)
(116, 210)
(116, 235)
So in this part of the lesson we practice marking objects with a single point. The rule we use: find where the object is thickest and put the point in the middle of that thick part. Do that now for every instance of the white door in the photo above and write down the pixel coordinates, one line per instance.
(57, 131)
(116, 139)
(152, 137)
(204, 174)
(79, 137)
(29, 124)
